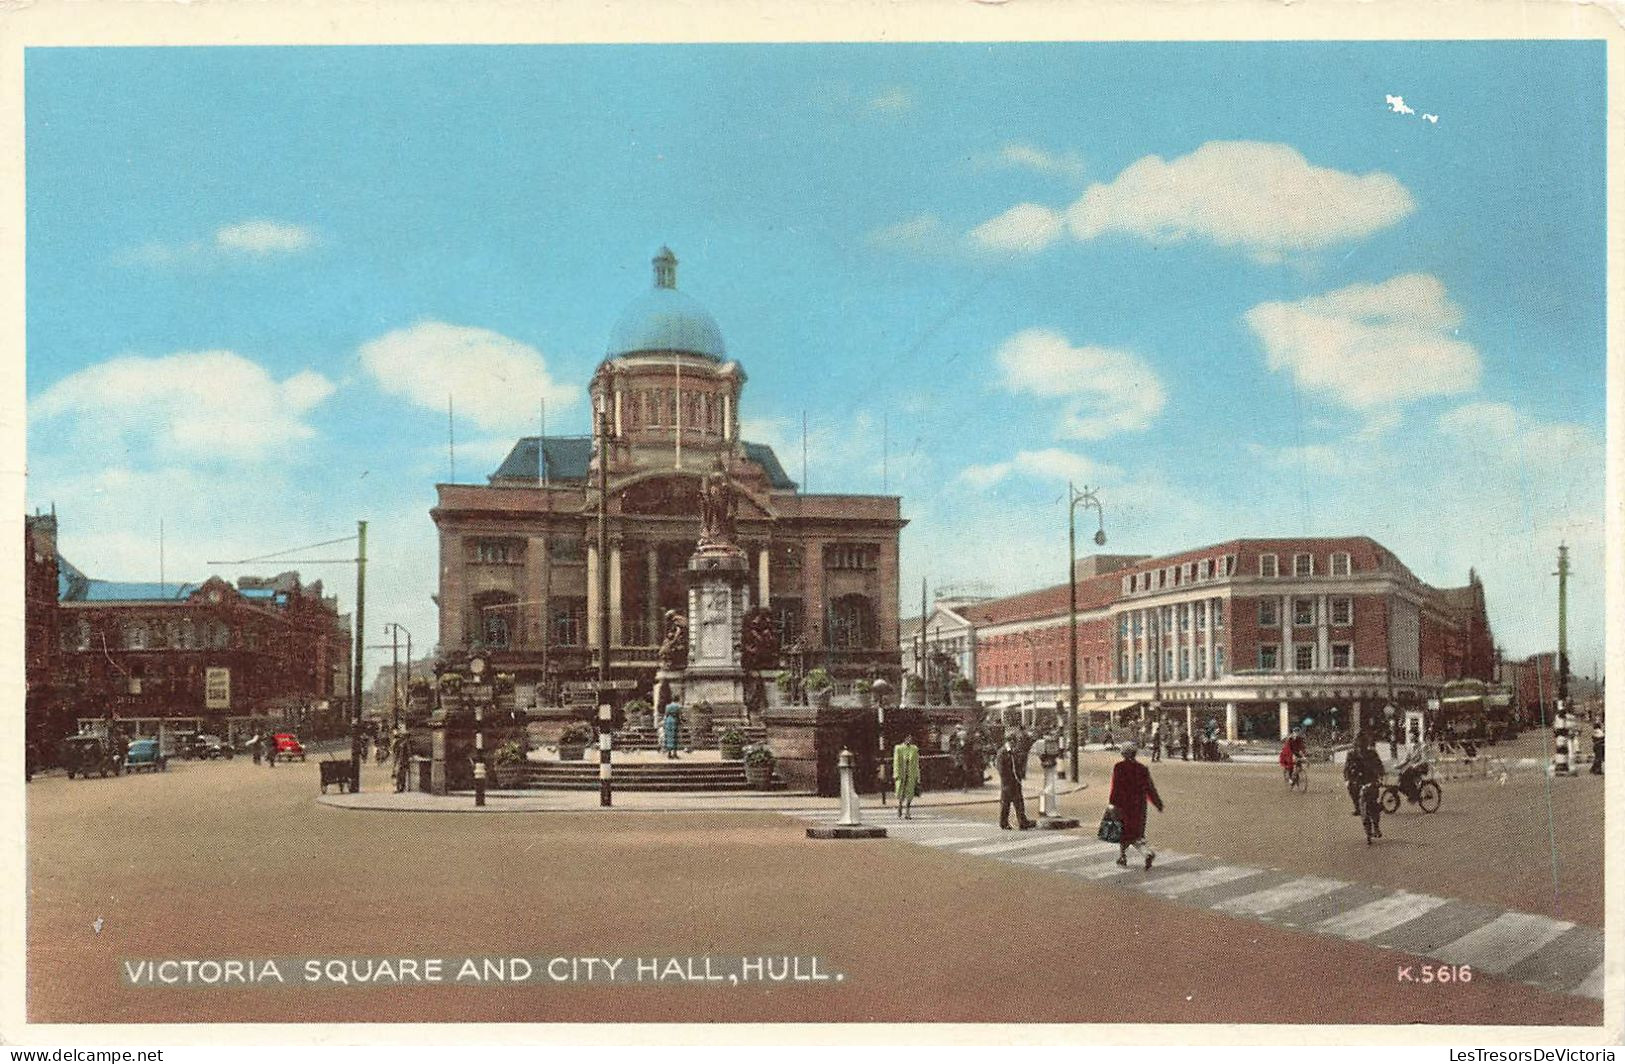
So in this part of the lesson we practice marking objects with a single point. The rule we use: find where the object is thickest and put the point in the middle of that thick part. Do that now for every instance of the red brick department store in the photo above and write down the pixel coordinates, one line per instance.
(1255, 634)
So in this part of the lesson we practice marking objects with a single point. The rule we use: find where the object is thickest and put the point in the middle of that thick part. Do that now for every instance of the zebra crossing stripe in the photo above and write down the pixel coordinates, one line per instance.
(1173, 886)
(1049, 839)
(949, 840)
(1502, 942)
(1384, 914)
(1049, 857)
(1272, 899)
(1104, 869)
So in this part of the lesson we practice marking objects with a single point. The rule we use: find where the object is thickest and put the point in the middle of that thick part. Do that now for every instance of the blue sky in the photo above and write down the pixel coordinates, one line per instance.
(1232, 285)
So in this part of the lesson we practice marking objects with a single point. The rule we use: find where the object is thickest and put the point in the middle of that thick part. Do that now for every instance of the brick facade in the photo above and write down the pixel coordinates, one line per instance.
(1237, 630)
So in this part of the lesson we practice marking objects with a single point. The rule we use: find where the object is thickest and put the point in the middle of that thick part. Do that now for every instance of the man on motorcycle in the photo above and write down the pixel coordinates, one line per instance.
(1362, 769)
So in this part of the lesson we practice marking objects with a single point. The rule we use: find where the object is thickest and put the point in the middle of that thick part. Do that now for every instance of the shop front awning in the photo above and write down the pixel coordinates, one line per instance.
(1117, 706)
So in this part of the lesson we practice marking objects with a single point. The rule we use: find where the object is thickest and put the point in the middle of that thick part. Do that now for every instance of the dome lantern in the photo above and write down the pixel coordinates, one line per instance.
(665, 264)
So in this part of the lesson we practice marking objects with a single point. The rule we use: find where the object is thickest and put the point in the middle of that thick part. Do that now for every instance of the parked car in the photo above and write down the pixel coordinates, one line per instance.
(208, 747)
(144, 755)
(288, 746)
(184, 745)
(88, 755)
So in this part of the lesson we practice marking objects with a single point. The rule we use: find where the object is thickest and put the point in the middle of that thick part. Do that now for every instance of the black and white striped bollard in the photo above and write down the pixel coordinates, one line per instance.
(604, 743)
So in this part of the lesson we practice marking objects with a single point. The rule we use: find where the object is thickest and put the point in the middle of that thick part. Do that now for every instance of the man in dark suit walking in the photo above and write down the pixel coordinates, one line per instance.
(1010, 787)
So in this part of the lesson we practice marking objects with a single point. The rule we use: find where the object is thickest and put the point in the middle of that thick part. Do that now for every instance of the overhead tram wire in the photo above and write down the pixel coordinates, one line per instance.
(279, 555)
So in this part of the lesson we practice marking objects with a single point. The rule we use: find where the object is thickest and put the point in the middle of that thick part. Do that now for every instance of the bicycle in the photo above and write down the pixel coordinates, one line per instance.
(1298, 778)
(1425, 793)
(1371, 811)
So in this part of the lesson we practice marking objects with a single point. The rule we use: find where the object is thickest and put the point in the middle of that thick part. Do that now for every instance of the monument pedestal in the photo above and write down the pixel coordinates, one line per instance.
(719, 580)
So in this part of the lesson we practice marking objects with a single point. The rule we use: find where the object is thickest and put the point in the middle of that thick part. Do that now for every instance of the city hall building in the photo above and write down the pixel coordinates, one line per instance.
(520, 556)
(1254, 634)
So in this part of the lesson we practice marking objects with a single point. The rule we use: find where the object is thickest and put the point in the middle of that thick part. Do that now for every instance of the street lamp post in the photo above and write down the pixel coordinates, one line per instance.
(1088, 499)
(395, 629)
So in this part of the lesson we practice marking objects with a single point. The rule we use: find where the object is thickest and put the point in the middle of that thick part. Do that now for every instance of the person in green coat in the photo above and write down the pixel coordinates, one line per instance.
(905, 770)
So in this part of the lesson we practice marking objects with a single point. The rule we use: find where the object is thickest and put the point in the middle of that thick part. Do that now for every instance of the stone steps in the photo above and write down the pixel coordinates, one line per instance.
(676, 776)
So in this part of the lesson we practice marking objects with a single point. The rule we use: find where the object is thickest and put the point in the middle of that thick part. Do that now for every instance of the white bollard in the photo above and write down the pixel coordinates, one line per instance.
(850, 825)
(1049, 805)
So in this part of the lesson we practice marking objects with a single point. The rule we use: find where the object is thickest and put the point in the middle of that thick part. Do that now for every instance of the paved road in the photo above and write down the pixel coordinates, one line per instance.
(229, 860)
(1538, 950)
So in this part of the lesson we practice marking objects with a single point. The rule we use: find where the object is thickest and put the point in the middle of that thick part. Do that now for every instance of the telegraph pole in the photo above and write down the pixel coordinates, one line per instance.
(360, 652)
(604, 720)
(1562, 575)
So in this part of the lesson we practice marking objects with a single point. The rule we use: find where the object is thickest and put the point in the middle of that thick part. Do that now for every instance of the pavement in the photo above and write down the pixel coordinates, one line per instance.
(228, 859)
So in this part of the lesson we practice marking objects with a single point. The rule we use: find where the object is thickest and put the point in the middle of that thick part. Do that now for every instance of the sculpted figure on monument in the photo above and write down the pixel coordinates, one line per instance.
(759, 649)
(717, 508)
(674, 650)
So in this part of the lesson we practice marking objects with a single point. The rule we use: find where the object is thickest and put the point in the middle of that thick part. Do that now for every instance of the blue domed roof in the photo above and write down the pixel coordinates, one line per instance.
(664, 319)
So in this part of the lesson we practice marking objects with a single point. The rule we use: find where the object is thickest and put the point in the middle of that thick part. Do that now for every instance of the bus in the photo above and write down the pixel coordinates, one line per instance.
(1473, 709)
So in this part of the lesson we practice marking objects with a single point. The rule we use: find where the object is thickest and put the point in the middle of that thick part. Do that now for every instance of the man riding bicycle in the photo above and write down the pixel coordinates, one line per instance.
(1364, 771)
(1292, 755)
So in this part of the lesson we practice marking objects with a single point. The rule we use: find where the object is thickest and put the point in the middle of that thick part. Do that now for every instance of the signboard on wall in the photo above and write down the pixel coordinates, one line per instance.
(217, 688)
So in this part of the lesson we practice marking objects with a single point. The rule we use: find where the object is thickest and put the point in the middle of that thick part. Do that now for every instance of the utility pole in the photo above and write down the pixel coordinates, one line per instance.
(360, 652)
(604, 720)
(1562, 575)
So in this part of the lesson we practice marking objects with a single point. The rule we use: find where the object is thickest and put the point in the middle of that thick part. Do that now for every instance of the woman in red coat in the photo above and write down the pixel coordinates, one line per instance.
(1131, 788)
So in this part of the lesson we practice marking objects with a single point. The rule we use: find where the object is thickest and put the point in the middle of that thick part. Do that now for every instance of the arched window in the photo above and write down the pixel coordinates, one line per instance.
(135, 636)
(217, 635)
(852, 623)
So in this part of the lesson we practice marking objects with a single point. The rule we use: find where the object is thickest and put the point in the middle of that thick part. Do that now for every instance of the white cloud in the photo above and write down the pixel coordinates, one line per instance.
(263, 237)
(1320, 459)
(1499, 432)
(1263, 198)
(1067, 165)
(922, 234)
(191, 406)
(1397, 105)
(893, 101)
(496, 382)
(1370, 344)
(1026, 227)
(253, 239)
(1048, 464)
(1107, 391)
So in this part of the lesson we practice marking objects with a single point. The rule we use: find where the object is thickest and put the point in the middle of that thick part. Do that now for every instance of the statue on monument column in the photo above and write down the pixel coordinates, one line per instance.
(717, 509)
(674, 650)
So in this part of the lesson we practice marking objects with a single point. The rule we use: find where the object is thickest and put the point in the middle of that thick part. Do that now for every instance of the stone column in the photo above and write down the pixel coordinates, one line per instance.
(1287, 660)
(616, 636)
(1286, 719)
(1354, 718)
(592, 593)
(1323, 634)
(1230, 722)
(1190, 636)
(656, 635)
(763, 585)
(536, 562)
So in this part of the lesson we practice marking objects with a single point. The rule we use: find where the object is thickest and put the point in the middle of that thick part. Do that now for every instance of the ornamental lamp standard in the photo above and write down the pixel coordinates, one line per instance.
(1088, 499)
